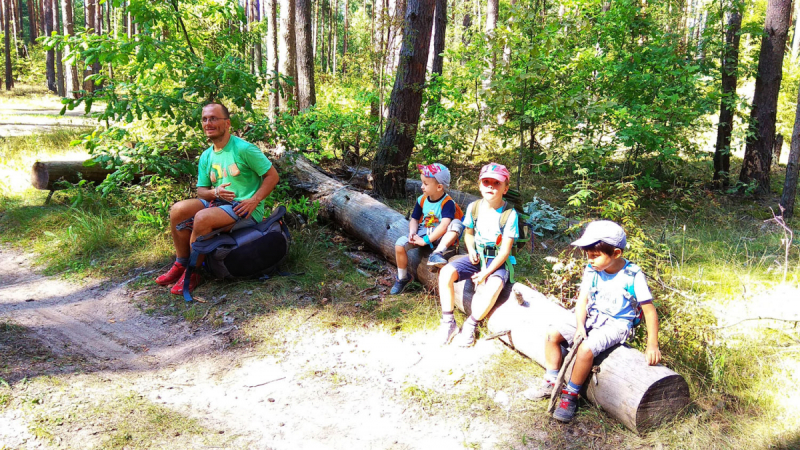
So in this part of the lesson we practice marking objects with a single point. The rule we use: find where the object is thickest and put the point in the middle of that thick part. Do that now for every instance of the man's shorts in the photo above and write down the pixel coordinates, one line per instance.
(604, 335)
(240, 222)
(455, 225)
(465, 269)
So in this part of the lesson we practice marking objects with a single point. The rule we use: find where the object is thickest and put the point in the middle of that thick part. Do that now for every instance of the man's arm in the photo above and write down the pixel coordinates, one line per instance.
(652, 353)
(268, 183)
(206, 193)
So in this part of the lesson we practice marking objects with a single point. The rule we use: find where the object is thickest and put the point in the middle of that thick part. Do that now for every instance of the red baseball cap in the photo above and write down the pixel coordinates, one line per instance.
(495, 171)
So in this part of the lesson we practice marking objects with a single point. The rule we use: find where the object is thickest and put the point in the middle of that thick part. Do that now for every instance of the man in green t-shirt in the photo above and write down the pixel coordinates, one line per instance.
(234, 178)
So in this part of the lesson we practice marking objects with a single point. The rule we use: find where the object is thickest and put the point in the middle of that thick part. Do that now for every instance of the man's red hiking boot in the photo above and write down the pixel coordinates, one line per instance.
(172, 275)
(193, 282)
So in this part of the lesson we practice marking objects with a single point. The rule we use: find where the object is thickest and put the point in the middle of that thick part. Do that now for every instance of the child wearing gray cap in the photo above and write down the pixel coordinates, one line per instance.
(435, 213)
(612, 300)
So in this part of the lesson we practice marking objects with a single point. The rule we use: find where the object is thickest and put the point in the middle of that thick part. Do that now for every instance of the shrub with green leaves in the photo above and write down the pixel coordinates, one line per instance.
(543, 218)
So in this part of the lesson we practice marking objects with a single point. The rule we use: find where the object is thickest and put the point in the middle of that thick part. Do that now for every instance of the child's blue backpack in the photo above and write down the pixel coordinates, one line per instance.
(630, 270)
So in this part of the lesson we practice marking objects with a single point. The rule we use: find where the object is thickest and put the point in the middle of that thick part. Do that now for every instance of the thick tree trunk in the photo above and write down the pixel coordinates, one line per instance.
(727, 109)
(758, 152)
(792, 166)
(306, 90)
(638, 395)
(287, 55)
(439, 34)
(272, 57)
(391, 162)
(72, 82)
(50, 63)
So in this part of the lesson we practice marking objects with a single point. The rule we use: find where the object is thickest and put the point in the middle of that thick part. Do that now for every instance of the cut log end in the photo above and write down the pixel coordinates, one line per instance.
(40, 177)
(664, 400)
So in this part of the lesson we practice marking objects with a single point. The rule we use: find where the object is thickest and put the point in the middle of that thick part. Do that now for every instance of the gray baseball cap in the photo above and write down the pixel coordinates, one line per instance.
(605, 231)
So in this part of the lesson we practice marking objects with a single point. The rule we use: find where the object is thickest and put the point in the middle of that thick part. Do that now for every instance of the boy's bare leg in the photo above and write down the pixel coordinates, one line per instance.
(401, 256)
(486, 296)
(583, 365)
(552, 350)
(447, 278)
(446, 241)
(184, 209)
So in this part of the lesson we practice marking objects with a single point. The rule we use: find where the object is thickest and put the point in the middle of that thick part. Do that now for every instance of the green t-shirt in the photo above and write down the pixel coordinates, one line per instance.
(239, 163)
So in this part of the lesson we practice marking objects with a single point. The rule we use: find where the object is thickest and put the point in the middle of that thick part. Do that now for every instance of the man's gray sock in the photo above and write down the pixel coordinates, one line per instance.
(182, 261)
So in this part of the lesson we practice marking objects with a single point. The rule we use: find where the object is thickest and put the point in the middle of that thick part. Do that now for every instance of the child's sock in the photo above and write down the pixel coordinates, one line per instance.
(448, 317)
(182, 261)
(441, 248)
(573, 388)
(401, 273)
(551, 375)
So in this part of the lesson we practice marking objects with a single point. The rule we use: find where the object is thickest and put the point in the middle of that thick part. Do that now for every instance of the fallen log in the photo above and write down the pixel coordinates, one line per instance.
(45, 174)
(638, 395)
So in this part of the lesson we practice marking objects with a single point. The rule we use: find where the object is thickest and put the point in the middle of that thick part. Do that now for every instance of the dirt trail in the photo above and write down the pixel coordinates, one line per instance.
(329, 389)
(18, 120)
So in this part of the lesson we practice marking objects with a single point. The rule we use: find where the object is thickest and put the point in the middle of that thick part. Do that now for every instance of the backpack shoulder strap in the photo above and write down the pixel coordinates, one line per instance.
(422, 201)
(474, 213)
(505, 215)
(631, 270)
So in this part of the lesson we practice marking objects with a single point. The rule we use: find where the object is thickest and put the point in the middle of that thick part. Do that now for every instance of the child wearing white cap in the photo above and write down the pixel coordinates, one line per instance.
(613, 298)
(435, 222)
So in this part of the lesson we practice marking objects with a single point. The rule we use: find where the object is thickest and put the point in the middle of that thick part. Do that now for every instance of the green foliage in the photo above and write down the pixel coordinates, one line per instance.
(543, 218)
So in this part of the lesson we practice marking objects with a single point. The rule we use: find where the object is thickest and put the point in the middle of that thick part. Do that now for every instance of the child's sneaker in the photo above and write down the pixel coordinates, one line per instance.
(401, 285)
(172, 275)
(465, 338)
(446, 331)
(539, 393)
(437, 259)
(193, 282)
(566, 407)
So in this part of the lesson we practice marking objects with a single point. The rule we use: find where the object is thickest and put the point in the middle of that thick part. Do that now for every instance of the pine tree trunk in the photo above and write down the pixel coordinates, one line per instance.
(492, 7)
(329, 44)
(439, 34)
(792, 167)
(72, 83)
(272, 56)
(727, 109)
(394, 151)
(32, 31)
(7, 19)
(50, 55)
(259, 48)
(60, 84)
(89, 9)
(344, 37)
(287, 54)
(334, 19)
(796, 35)
(758, 153)
(306, 90)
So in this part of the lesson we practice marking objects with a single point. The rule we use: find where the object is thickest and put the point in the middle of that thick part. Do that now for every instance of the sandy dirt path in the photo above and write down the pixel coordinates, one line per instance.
(326, 388)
